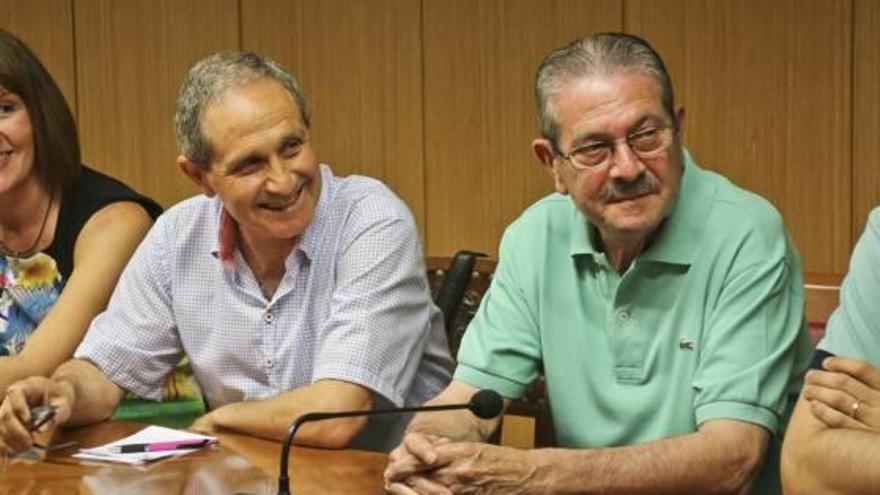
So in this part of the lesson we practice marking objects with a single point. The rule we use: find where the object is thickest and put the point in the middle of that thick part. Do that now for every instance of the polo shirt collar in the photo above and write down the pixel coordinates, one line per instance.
(677, 241)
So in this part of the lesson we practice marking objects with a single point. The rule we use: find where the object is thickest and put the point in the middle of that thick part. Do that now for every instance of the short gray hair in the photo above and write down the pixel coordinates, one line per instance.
(596, 55)
(208, 80)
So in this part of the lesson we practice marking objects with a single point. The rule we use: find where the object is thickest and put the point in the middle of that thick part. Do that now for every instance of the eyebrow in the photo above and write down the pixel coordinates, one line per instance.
(603, 136)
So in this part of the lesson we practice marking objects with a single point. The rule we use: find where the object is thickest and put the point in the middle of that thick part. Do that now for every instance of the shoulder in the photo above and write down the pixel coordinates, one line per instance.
(361, 199)
(547, 220)
(94, 190)
(872, 229)
(191, 214)
(739, 213)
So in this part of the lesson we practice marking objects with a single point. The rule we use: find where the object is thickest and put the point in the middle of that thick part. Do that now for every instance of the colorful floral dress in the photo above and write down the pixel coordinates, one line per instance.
(28, 289)
(30, 286)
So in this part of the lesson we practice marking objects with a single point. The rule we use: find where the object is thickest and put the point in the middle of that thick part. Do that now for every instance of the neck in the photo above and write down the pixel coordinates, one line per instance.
(266, 258)
(25, 217)
(23, 206)
(621, 250)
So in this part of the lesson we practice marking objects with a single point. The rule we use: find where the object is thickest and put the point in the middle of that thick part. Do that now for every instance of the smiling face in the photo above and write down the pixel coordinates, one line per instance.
(16, 142)
(630, 196)
(262, 166)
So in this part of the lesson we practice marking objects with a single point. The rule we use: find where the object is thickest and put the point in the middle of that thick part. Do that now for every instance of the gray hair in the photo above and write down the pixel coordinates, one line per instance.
(208, 80)
(595, 55)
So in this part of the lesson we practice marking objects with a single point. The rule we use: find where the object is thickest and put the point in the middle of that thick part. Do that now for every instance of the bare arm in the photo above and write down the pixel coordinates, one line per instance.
(829, 448)
(102, 249)
(724, 456)
(270, 418)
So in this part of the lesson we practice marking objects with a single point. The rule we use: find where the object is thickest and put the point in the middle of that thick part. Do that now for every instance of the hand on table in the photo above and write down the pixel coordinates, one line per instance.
(846, 394)
(206, 423)
(429, 465)
(20, 398)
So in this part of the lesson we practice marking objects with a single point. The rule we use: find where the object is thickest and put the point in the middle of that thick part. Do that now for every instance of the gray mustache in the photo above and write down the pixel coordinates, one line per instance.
(619, 190)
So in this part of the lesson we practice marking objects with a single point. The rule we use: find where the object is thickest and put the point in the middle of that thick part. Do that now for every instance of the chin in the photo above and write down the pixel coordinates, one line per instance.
(634, 224)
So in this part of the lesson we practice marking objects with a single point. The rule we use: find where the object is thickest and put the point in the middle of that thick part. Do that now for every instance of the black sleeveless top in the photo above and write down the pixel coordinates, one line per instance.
(29, 287)
(89, 194)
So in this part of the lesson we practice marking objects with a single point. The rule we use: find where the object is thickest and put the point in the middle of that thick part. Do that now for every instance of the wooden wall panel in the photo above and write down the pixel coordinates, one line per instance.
(46, 27)
(866, 108)
(480, 59)
(359, 62)
(131, 58)
(767, 87)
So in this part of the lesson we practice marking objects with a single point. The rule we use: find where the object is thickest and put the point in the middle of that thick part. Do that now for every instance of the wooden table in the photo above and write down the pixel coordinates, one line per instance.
(240, 464)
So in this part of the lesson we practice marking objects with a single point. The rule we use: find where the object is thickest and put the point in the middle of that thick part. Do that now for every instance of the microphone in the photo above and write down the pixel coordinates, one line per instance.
(485, 404)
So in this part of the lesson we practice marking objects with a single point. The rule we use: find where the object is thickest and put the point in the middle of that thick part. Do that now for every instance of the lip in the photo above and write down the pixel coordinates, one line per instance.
(629, 198)
(288, 205)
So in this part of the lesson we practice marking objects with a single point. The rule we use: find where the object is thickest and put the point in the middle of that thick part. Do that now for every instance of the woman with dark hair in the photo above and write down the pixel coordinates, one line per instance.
(66, 231)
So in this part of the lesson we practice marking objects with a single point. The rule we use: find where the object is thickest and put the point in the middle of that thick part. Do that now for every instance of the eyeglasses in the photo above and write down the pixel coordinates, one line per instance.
(647, 143)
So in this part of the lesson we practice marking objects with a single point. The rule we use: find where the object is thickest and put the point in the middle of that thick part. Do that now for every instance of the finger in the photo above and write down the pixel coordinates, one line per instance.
(832, 417)
(200, 425)
(862, 370)
(421, 447)
(12, 429)
(840, 381)
(399, 489)
(403, 467)
(18, 404)
(60, 398)
(834, 398)
(427, 486)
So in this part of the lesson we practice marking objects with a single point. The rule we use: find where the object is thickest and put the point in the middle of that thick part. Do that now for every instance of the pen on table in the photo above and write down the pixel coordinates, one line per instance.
(161, 446)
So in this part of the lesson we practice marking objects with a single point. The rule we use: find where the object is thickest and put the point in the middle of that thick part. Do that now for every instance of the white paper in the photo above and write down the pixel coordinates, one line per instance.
(150, 434)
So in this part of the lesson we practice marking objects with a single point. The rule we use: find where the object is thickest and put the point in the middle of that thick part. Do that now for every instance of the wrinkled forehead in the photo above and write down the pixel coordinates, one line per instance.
(611, 103)
(250, 110)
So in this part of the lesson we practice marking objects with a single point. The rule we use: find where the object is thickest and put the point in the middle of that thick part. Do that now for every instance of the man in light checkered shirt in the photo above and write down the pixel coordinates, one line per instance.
(290, 289)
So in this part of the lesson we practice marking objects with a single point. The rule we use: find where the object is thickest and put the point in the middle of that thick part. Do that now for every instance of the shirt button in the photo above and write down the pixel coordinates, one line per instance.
(269, 363)
(623, 316)
(268, 317)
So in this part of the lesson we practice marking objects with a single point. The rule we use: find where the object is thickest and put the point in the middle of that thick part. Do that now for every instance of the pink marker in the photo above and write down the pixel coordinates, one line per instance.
(162, 446)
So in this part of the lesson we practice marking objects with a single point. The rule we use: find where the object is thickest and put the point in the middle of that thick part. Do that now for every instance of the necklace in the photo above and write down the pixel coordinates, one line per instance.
(29, 250)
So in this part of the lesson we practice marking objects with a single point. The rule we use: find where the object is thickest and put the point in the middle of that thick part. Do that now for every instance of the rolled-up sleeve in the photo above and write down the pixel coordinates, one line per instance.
(134, 341)
(756, 345)
(382, 322)
(501, 349)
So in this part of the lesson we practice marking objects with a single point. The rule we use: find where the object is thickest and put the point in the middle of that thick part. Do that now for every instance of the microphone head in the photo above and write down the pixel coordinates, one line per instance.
(486, 404)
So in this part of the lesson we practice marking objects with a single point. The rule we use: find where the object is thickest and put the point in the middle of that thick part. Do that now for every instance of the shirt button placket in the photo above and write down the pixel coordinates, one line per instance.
(269, 320)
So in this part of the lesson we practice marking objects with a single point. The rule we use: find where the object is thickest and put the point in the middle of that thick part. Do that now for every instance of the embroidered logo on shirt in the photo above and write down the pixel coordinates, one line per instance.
(687, 344)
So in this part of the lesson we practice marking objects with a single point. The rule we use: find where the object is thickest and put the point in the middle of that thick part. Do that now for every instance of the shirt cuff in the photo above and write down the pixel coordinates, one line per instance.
(362, 377)
(741, 411)
(506, 387)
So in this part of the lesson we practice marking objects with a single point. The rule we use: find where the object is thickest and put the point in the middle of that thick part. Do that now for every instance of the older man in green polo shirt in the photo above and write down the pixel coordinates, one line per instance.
(663, 304)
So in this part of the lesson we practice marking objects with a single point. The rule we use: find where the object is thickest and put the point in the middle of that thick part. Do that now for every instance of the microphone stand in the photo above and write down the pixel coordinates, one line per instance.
(485, 404)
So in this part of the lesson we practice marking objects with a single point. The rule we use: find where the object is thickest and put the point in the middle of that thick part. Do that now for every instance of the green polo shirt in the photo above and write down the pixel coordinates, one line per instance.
(707, 323)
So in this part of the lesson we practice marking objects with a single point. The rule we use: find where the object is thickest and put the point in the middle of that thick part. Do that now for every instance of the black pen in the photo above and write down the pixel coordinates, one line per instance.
(161, 446)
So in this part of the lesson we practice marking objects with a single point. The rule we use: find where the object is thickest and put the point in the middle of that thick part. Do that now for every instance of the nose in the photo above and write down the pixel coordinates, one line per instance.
(280, 178)
(625, 165)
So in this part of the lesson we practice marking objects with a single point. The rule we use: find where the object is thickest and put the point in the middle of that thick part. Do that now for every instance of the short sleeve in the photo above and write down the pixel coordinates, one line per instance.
(134, 341)
(381, 316)
(854, 328)
(501, 349)
(756, 344)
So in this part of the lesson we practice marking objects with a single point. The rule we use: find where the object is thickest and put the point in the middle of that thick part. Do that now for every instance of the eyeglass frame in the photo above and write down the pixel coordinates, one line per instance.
(612, 145)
